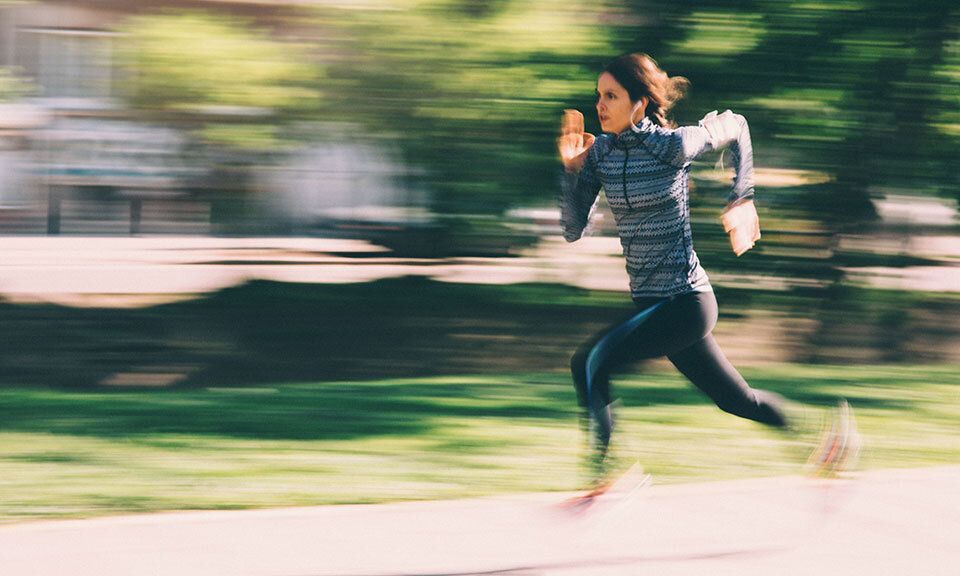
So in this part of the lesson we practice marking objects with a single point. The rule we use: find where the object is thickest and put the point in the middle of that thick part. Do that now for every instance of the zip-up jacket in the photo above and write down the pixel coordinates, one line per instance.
(644, 173)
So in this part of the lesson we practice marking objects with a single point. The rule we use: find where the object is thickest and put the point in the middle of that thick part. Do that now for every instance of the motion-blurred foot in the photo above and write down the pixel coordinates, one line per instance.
(839, 447)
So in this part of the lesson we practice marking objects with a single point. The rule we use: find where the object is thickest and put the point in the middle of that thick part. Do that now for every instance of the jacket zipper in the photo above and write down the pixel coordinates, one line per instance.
(687, 249)
(626, 160)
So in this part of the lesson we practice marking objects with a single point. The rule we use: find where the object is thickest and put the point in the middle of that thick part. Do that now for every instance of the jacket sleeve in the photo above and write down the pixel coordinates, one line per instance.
(578, 196)
(716, 132)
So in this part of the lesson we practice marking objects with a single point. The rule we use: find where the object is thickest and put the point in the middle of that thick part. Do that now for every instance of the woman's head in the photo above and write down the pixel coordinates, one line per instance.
(633, 86)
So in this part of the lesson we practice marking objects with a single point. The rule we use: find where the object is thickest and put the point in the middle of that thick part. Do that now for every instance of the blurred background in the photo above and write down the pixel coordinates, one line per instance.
(206, 197)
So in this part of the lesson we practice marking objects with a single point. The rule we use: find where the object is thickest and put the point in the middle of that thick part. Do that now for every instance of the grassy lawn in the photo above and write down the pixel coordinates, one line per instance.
(80, 454)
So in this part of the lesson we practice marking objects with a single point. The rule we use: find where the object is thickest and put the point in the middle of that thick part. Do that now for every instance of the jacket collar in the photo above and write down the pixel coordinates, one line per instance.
(635, 133)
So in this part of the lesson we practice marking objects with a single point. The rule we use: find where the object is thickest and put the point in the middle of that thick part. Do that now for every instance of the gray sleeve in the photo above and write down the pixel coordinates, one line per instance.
(714, 132)
(727, 130)
(578, 196)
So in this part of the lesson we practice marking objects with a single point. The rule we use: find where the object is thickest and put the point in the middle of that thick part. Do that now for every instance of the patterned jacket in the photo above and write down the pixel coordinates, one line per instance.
(644, 173)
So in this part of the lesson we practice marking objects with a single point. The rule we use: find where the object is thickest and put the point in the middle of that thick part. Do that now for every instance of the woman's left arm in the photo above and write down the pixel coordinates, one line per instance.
(683, 145)
(729, 130)
(715, 132)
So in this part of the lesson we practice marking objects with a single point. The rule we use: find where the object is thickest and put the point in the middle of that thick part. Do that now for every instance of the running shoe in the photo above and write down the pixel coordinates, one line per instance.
(838, 450)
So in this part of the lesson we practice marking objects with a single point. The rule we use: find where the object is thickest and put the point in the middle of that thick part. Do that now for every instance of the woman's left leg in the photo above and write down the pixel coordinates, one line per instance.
(705, 364)
(683, 332)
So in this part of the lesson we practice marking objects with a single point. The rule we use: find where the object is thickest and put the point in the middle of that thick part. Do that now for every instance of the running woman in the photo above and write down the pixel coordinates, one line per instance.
(642, 163)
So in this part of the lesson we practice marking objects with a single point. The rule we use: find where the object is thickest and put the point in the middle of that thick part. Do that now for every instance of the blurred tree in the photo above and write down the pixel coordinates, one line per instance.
(472, 90)
(240, 85)
(865, 90)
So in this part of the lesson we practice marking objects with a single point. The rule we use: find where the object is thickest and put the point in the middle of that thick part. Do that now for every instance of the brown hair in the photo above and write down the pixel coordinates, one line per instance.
(640, 75)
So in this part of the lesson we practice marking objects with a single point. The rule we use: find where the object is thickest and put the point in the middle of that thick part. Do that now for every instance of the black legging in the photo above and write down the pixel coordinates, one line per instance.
(680, 329)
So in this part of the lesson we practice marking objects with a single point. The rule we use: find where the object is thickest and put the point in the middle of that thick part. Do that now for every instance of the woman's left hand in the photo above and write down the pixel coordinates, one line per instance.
(742, 224)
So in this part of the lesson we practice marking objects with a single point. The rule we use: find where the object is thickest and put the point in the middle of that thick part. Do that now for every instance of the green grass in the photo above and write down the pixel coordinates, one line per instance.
(80, 454)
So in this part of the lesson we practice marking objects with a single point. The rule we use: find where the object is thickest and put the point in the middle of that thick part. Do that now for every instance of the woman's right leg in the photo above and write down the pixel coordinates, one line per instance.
(591, 366)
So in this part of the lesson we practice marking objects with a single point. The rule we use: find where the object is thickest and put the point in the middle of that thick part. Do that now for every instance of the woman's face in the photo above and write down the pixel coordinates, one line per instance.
(614, 107)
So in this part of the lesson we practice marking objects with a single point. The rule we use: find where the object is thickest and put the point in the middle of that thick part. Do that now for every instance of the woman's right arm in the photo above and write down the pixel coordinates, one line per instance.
(578, 195)
(579, 185)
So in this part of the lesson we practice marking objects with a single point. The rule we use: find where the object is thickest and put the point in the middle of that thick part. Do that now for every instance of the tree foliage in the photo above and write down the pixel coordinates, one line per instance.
(238, 78)
(471, 90)
(865, 90)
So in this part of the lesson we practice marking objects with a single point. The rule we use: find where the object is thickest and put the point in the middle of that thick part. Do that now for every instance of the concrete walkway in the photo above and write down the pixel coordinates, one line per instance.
(883, 522)
(140, 271)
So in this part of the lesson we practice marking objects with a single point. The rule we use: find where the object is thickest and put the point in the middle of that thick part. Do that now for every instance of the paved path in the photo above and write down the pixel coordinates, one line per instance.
(884, 522)
(133, 271)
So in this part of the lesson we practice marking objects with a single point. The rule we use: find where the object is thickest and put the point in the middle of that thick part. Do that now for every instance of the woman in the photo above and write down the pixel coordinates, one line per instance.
(642, 164)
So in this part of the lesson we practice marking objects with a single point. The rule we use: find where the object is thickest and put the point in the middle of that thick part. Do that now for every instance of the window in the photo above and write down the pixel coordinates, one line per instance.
(68, 64)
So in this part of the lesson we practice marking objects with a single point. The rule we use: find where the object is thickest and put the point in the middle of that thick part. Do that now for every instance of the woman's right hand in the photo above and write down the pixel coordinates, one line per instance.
(573, 143)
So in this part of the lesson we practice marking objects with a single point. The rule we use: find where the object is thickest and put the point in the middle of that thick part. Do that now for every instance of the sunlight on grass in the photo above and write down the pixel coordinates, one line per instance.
(72, 454)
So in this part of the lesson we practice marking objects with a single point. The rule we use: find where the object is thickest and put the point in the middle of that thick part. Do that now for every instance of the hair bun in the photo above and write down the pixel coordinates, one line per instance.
(677, 88)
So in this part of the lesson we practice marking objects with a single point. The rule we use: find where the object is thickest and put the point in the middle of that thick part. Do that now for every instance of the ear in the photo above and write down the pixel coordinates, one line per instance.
(640, 110)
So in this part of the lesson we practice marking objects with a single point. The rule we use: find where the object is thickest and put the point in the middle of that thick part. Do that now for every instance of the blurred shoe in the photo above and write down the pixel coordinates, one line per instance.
(611, 490)
(838, 450)
(600, 482)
